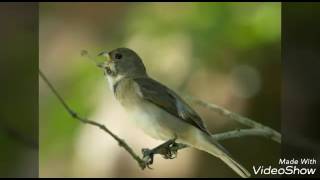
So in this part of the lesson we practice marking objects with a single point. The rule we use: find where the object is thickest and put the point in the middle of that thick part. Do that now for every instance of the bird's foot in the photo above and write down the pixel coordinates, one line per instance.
(148, 155)
(168, 150)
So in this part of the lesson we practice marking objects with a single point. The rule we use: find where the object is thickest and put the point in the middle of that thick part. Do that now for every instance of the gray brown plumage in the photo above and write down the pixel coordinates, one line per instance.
(156, 109)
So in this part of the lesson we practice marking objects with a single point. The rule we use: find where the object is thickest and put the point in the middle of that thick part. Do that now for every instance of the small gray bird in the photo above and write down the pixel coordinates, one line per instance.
(156, 109)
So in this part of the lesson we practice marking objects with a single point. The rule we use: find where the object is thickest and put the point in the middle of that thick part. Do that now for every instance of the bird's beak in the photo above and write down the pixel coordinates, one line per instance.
(106, 59)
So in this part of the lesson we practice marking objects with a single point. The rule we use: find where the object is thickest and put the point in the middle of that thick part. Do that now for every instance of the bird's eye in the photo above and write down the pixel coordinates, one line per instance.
(108, 71)
(118, 56)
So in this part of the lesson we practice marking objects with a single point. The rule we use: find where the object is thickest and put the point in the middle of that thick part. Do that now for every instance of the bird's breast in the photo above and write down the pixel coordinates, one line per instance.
(126, 93)
(154, 121)
(151, 120)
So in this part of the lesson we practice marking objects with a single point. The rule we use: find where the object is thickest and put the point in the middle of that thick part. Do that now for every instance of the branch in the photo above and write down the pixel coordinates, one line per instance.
(242, 133)
(263, 130)
(169, 149)
(74, 115)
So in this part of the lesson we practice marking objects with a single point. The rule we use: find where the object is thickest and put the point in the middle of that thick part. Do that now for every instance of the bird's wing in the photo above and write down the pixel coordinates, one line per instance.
(169, 101)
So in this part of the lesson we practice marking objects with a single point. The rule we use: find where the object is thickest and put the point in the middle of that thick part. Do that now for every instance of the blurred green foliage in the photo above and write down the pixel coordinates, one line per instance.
(215, 29)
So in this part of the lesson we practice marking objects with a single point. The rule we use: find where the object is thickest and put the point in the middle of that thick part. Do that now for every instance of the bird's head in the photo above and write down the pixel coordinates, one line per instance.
(122, 62)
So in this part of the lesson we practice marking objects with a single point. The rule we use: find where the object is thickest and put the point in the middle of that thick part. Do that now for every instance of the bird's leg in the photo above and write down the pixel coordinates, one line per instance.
(168, 150)
(148, 154)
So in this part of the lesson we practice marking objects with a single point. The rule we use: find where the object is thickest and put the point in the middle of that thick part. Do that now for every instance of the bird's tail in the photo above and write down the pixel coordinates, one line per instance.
(238, 168)
(210, 145)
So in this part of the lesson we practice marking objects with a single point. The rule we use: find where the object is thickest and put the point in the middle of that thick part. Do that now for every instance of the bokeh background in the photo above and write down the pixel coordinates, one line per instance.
(225, 53)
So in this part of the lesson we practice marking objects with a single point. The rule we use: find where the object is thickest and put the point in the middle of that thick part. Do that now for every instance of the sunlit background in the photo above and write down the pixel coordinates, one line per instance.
(225, 53)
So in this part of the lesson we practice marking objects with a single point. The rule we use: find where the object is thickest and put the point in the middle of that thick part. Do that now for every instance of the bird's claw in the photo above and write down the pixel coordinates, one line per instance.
(147, 157)
(170, 152)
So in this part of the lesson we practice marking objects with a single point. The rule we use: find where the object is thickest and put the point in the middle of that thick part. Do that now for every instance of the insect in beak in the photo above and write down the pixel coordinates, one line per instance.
(106, 61)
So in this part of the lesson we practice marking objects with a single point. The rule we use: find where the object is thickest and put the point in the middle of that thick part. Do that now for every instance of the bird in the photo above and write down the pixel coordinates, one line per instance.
(156, 109)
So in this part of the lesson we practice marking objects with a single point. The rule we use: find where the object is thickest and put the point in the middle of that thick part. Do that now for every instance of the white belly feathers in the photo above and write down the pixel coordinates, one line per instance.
(154, 121)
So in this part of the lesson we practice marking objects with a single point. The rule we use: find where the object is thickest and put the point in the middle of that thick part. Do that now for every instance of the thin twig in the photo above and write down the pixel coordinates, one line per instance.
(243, 132)
(274, 135)
(220, 137)
(74, 115)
